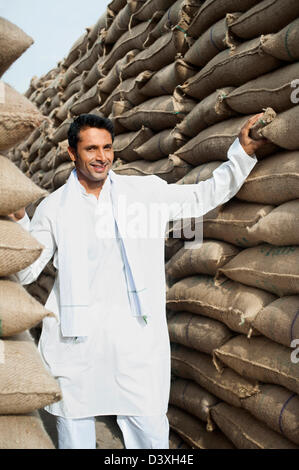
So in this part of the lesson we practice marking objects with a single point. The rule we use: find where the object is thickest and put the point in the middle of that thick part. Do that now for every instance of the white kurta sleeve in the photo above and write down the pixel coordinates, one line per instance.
(195, 200)
(40, 228)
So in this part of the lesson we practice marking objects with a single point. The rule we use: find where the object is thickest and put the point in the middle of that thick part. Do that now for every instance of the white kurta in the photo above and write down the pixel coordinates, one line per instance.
(123, 367)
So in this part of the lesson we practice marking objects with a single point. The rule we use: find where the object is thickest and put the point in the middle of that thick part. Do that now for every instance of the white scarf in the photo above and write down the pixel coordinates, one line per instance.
(72, 244)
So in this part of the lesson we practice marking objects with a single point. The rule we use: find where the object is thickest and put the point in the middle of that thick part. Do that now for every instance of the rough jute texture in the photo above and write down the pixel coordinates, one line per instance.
(26, 385)
(24, 432)
(284, 44)
(13, 42)
(283, 130)
(245, 431)
(160, 145)
(124, 145)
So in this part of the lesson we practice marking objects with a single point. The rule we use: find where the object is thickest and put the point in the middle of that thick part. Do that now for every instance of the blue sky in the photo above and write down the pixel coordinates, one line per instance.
(54, 26)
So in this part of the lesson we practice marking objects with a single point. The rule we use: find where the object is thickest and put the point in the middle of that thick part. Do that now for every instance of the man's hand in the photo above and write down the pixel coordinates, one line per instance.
(249, 145)
(18, 215)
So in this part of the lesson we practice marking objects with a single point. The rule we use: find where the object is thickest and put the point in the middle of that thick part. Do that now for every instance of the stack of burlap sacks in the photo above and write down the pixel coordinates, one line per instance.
(25, 385)
(179, 79)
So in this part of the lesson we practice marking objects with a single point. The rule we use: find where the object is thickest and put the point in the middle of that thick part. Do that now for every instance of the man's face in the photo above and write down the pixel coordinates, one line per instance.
(94, 155)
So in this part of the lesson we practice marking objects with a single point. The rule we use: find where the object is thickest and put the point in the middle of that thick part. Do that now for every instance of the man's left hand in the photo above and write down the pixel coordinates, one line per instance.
(250, 145)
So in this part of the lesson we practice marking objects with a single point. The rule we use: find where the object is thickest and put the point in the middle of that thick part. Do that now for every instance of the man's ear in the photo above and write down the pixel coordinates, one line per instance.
(72, 153)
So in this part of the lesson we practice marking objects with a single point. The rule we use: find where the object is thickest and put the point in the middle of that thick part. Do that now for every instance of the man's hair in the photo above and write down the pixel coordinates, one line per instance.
(83, 122)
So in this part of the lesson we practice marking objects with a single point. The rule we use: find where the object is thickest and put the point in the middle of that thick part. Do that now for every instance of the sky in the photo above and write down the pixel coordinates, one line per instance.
(54, 26)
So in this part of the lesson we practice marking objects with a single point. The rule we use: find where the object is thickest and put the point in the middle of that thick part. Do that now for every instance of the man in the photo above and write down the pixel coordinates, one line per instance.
(109, 346)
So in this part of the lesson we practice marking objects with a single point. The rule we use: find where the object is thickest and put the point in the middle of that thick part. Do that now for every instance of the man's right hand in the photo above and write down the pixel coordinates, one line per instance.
(18, 215)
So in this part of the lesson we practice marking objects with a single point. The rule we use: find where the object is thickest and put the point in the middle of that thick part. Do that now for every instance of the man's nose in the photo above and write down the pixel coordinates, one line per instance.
(101, 155)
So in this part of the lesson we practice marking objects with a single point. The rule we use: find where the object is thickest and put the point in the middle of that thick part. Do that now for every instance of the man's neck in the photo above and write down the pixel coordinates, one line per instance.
(91, 187)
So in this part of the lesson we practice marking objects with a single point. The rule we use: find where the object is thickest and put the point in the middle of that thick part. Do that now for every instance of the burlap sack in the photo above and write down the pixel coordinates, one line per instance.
(228, 386)
(284, 44)
(211, 42)
(279, 321)
(54, 85)
(159, 113)
(280, 227)
(60, 134)
(261, 359)
(24, 432)
(120, 24)
(108, 433)
(39, 293)
(213, 10)
(77, 50)
(62, 173)
(179, 13)
(272, 268)
(25, 384)
(131, 39)
(18, 117)
(94, 74)
(150, 7)
(206, 259)
(127, 90)
(169, 169)
(18, 310)
(245, 431)
(76, 85)
(18, 249)
(88, 101)
(176, 442)
(103, 22)
(270, 90)
(46, 282)
(283, 130)
(47, 180)
(231, 68)
(16, 190)
(189, 396)
(160, 145)
(117, 5)
(164, 81)
(232, 303)
(124, 145)
(197, 332)
(161, 53)
(200, 173)
(231, 221)
(13, 42)
(207, 112)
(193, 431)
(63, 112)
(110, 81)
(264, 184)
(172, 245)
(91, 56)
(70, 74)
(48, 160)
(268, 16)
(277, 407)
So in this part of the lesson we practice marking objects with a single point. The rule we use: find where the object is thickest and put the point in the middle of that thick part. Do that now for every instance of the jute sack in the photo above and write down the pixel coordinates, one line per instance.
(193, 431)
(260, 359)
(232, 220)
(161, 53)
(16, 190)
(77, 50)
(213, 143)
(47, 180)
(24, 432)
(76, 85)
(150, 7)
(160, 145)
(245, 431)
(39, 293)
(197, 332)
(92, 76)
(211, 42)
(110, 81)
(103, 22)
(13, 42)
(279, 321)
(88, 101)
(18, 117)
(231, 68)
(116, 5)
(108, 433)
(18, 249)
(283, 130)
(206, 259)
(172, 245)
(159, 113)
(124, 145)
(200, 173)
(169, 169)
(207, 112)
(60, 134)
(176, 442)
(62, 173)
(228, 386)
(284, 44)
(127, 90)
(46, 282)
(273, 90)
(213, 10)
(63, 112)
(189, 396)
(277, 407)
(48, 160)
(231, 303)
(268, 16)
(70, 74)
(120, 23)
(272, 268)
(131, 39)
(90, 57)
(164, 81)
(18, 310)
(280, 227)
(26, 385)
(264, 184)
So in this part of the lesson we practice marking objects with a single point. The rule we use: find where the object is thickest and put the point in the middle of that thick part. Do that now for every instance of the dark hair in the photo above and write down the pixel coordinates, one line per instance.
(85, 121)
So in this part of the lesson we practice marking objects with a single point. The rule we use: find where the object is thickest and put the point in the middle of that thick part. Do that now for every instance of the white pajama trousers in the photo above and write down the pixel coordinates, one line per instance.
(139, 432)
